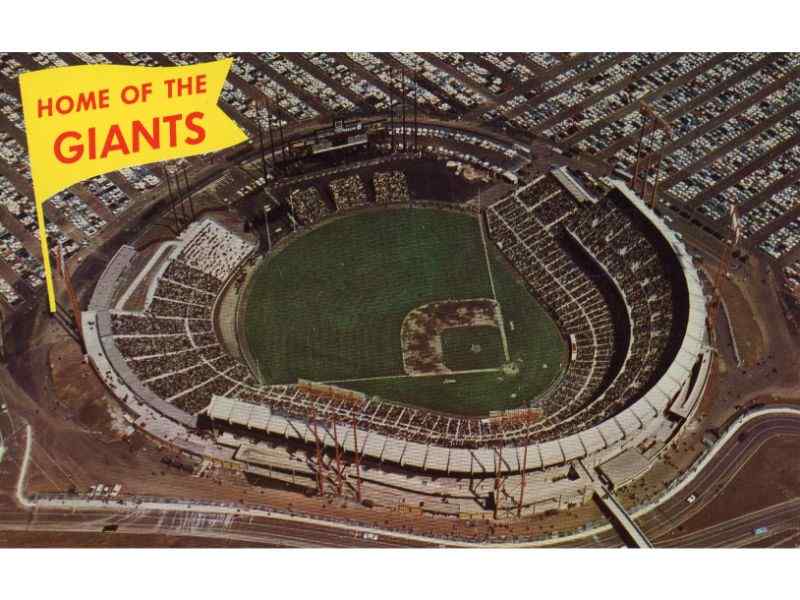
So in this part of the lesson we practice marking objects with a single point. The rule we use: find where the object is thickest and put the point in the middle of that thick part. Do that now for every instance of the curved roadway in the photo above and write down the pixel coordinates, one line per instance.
(197, 519)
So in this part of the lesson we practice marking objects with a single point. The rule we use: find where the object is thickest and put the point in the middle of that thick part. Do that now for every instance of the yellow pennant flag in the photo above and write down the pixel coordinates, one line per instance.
(88, 120)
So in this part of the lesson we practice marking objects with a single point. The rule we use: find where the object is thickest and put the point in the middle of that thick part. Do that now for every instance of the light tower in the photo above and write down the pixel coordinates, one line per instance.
(265, 174)
(525, 420)
(403, 93)
(416, 105)
(391, 108)
(652, 121)
(736, 235)
(173, 210)
(174, 203)
(358, 461)
(499, 480)
(189, 193)
(338, 449)
(318, 453)
(63, 272)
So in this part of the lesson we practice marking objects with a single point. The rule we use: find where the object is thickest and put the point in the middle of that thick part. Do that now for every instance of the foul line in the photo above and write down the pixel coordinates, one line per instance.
(417, 376)
(498, 310)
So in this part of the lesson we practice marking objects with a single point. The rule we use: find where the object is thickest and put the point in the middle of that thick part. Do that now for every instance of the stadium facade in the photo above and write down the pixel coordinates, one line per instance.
(620, 284)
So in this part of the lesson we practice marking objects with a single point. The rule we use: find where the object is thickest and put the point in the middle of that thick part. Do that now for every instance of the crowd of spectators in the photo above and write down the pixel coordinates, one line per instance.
(569, 294)
(213, 249)
(631, 259)
(176, 353)
(391, 187)
(529, 233)
(307, 204)
(144, 324)
(348, 192)
(172, 346)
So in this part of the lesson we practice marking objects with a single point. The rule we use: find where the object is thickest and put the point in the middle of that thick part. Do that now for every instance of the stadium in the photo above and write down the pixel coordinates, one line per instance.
(482, 296)
(458, 355)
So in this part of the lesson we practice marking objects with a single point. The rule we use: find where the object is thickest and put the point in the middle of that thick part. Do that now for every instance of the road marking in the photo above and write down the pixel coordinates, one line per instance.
(498, 311)
(415, 376)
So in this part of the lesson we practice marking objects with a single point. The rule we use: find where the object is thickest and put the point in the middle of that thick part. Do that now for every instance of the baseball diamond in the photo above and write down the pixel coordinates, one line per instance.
(337, 306)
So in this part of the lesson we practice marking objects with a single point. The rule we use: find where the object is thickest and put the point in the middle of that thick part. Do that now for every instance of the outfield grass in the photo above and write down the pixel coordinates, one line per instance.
(329, 307)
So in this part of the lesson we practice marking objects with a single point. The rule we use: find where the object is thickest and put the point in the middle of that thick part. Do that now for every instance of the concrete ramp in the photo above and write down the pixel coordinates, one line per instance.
(622, 518)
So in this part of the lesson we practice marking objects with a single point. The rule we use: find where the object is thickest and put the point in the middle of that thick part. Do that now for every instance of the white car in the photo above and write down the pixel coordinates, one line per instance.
(691, 498)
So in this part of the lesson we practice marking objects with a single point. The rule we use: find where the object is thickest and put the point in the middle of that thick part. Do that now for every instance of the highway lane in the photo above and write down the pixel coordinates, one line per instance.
(707, 485)
(739, 530)
(206, 521)
(255, 530)
(712, 480)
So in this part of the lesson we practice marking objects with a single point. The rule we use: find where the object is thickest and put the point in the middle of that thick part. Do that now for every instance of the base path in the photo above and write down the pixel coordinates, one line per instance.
(422, 328)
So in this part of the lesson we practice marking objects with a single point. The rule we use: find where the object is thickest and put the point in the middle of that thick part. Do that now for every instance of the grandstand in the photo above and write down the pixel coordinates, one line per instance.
(617, 282)
(549, 152)
(732, 120)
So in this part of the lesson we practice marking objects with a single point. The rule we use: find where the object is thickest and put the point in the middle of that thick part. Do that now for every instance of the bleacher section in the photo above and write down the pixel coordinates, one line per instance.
(172, 348)
(611, 393)
(348, 192)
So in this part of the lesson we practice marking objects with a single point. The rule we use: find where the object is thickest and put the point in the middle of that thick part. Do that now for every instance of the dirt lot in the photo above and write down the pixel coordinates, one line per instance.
(71, 455)
(748, 327)
(771, 476)
(75, 446)
(78, 391)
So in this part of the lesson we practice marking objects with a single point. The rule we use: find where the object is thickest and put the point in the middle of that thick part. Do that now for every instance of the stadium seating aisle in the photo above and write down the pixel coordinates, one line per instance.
(172, 346)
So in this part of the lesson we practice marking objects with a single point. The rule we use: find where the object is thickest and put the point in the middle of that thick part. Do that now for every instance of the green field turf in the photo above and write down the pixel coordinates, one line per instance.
(329, 308)
(467, 348)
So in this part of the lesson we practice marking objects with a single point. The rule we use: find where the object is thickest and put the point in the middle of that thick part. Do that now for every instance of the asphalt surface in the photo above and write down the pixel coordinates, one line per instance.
(660, 525)
(707, 485)
(255, 530)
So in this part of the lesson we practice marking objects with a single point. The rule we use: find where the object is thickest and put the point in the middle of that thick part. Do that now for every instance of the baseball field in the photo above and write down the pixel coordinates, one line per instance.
(330, 306)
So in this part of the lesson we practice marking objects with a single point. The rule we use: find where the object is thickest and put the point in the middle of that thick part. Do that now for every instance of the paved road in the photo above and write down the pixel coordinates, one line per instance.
(255, 530)
(707, 485)
(737, 532)
(201, 520)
